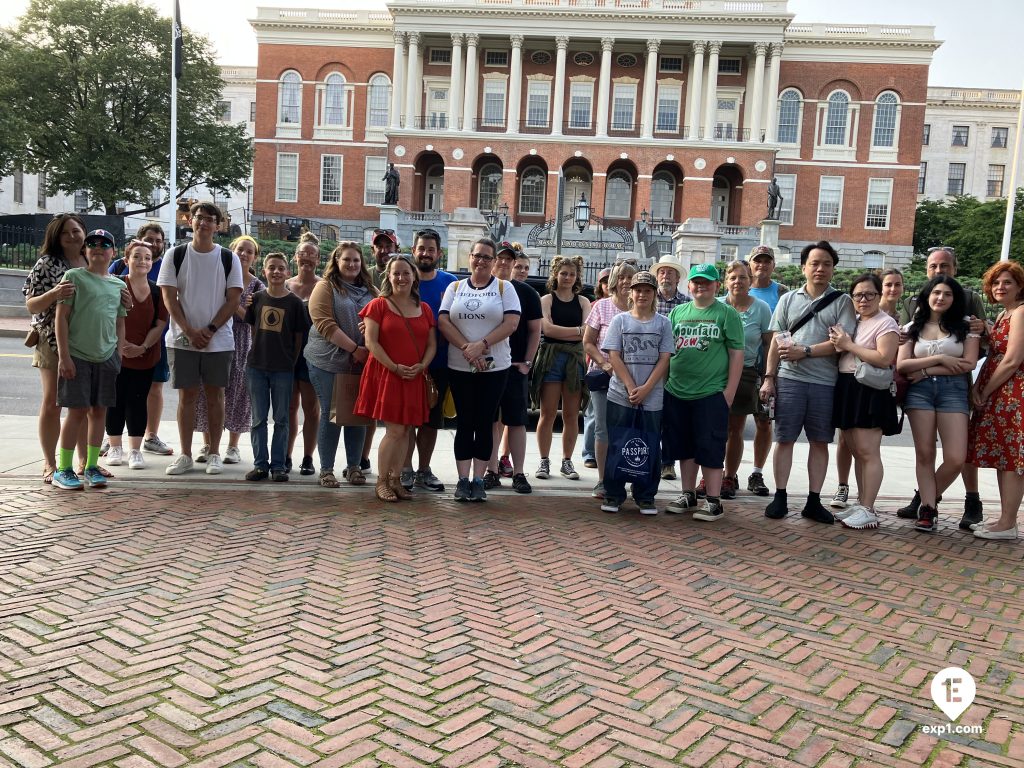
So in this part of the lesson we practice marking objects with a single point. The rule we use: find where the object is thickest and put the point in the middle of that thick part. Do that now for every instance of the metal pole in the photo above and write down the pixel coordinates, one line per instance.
(558, 213)
(172, 184)
(1011, 197)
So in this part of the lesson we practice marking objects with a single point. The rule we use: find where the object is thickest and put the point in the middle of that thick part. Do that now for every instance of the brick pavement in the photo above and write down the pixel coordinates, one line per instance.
(167, 625)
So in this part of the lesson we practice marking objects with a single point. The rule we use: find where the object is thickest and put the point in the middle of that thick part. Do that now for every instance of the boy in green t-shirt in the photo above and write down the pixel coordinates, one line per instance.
(89, 328)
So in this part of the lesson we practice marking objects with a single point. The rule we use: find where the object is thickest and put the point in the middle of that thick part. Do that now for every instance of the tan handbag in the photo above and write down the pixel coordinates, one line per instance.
(343, 401)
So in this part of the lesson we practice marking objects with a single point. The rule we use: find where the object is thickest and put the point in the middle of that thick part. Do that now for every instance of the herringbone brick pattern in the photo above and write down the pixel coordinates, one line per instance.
(167, 626)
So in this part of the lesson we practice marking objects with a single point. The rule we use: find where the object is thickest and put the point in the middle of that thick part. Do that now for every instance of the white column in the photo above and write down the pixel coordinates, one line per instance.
(604, 85)
(455, 84)
(558, 96)
(771, 106)
(693, 102)
(469, 102)
(515, 85)
(757, 100)
(412, 86)
(711, 101)
(397, 81)
(650, 90)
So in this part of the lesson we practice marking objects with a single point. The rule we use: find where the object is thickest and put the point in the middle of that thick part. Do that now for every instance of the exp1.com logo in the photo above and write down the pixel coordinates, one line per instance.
(953, 691)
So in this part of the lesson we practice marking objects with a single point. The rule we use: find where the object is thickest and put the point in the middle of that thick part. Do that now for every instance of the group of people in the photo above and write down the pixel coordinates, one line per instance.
(664, 377)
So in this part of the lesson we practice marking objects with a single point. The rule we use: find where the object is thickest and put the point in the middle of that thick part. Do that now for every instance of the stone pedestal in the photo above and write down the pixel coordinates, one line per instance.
(465, 226)
(770, 234)
(696, 241)
(389, 217)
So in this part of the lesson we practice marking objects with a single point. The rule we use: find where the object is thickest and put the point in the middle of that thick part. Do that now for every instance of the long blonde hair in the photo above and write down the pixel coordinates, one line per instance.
(332, 273)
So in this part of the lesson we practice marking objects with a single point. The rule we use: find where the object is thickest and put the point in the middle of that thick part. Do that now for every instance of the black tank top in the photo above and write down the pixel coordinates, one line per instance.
(568, 314)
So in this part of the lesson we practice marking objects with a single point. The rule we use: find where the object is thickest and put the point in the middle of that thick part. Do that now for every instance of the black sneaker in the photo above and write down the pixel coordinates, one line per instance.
(463, 490)
(306, 467)
(729, 487)
(520, 484)
(778, 508)
(477, 492)
(709, 511)
(755, 484)
(257, 474)
(927, 519)
(814, 511)
(279, 476)
(909, 512)
(288, 464)
(364, 464)
(491, 480)
(973, 513)
(684, 503)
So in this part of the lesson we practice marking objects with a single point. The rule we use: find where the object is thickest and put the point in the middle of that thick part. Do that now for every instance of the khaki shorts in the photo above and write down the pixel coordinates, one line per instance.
(191, 368)
(43, 356)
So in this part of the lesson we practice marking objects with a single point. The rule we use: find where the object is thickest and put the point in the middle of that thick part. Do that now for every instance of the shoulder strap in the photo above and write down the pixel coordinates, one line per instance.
(408, 325)
(179, 256)
(225, 259)
(501, 287)
(154, 291)
(814, 309)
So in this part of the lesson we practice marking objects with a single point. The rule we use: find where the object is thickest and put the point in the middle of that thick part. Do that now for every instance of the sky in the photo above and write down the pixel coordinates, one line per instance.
(979, 48)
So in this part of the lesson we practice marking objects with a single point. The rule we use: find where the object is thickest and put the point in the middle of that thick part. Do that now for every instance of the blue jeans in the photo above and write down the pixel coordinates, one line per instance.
(588, 432)
(266, 389)
(329, 433)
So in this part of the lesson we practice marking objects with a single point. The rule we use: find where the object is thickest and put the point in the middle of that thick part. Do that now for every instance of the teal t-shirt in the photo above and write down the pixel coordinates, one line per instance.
(95, 307)
(703, 337)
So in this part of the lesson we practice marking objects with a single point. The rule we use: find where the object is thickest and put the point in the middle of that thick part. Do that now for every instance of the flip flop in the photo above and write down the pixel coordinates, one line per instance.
(48, 476)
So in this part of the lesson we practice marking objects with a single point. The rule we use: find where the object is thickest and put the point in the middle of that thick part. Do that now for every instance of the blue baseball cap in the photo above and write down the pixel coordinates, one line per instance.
(100, 234)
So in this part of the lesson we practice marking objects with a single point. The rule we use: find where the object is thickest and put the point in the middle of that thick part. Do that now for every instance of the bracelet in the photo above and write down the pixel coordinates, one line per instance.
(924, 371)
(487, 345)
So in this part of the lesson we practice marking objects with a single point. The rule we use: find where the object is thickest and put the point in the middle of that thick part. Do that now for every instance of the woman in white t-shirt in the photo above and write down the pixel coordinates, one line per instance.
(864, 413)
(477, 316)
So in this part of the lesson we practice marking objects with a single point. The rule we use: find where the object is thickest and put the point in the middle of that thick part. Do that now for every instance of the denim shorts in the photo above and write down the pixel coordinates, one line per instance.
(943, 394)
(559, 370)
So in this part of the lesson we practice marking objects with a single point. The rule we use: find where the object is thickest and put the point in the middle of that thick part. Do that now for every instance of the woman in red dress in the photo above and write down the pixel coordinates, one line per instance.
(996, 437)
(401, 340)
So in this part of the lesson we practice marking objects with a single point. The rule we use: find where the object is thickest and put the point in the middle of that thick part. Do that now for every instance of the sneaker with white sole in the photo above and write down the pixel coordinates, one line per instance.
(842, 497)
(861, 518)
(231, 455)
(204, 452)
(682, 504)
(214, 465)
(180, 465)
(850, 511)
(115, 455)
(544, 470)
(135, 460)
(709, 511)
(568, 471)
(610, 506)
(428, 480)
(104, 446)
(67, 479)
(94, 478)
(647, 507)
(153, 444)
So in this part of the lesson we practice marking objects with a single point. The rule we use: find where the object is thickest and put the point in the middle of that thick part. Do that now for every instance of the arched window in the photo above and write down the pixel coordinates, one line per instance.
(532, 186)
(618, 195)
(790, 104)
(334, 100)
(663, 195)
(289, 98)
(489, 187)
(378, 102)
(836, 118)
(884, 132)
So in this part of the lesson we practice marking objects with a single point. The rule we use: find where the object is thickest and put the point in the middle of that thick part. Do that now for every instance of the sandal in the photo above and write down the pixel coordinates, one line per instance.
(397, 488)
(48, 475)
(355, 476)
(384, 492)
(328, 480)
(103, 471)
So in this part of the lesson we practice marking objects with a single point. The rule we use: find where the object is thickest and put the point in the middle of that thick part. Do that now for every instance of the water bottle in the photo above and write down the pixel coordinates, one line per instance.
(771, 408)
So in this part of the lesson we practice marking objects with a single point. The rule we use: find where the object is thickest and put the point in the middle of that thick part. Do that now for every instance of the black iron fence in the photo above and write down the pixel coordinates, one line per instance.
(18, 246)
(591, 267)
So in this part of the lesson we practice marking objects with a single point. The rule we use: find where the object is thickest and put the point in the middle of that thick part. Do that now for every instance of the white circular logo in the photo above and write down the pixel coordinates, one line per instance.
(399, 151)
(430, 147)
(635, 452)
(457, 153)
(760, 165)
(472, 305)
(700, 163)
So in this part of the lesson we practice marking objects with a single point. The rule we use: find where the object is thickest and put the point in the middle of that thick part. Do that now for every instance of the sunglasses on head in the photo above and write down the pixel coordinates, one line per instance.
(631, 261)
(428, 233)
(948, 248)
(383, 231)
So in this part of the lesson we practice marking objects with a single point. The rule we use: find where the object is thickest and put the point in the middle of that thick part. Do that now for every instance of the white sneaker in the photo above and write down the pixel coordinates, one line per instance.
(231, 455)
(214, 466)
(135, 460)
(115, 455)
(861, 518)
(203, 453)
(180, 465)
(651, 510)
(850, 511)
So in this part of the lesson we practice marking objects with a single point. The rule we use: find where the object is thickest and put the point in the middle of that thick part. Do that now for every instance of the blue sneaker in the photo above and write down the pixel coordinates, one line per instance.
(463, 490)
(94, 478)
(477, 492)
(67, 479)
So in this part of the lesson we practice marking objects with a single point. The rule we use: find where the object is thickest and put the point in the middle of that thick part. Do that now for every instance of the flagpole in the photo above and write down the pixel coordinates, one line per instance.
(1011, 197)
(172, 186)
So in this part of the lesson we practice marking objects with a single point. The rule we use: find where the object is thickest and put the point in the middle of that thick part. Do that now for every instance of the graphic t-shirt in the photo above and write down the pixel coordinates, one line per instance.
(431, 293)
(476, 312)
(703, 338)
(275, 321)
(95, 307)
(640, 343)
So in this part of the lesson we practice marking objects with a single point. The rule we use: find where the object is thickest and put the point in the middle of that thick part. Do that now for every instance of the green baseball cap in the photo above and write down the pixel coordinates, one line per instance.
(705, 272)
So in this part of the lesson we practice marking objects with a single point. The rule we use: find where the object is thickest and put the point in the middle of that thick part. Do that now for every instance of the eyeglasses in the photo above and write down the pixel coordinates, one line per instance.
(865, 296)
(204, 219)
(482, 256)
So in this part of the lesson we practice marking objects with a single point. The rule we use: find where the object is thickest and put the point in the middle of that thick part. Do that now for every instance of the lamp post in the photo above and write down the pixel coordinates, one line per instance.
(581, 213)
(497, 221)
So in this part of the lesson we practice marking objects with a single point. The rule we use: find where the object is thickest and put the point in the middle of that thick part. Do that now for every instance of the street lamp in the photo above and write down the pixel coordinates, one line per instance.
(643, 216)
(497, 220)
(581, 213)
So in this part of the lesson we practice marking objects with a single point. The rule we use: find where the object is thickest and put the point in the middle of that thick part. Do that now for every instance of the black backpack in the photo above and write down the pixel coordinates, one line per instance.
(178, 255)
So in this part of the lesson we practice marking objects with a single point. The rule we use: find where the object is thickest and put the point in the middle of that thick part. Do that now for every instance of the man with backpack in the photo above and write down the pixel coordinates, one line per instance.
(201, 283)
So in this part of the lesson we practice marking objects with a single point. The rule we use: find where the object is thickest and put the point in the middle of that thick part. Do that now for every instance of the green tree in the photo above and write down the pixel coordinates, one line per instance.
(11, 120)
(92, 78)
(973, 228)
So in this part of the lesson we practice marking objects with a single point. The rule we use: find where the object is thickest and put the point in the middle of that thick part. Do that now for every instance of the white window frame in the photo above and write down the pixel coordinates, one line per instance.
(610, 212)
(252, 111)
(290, 129)
(286, 156)
(373, 180)
(583, 88)
(922, 177)
(534, 170)
(18, 191)
(799, 116)
(847, 150)
(823, 201)
(371, 88)
(739, 66)
(999, 130)
(334, 131)
(670, 69)
(883, 153)
(655, 212)
(874, 260)
(480, 184)
(492, 87)
(538, 88)
(81, 201)
(878, 189)
(41, 190)
(787, 186)
(224, 105)
(962, 179)
(496, 54)
(622, 92)
(926, 134)
(1000, 179)
(957, 130)
(324, 199)
(674, 94)
(439, 56)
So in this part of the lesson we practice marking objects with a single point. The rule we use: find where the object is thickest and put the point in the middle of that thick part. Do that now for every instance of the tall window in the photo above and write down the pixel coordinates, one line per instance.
(538, 96)
(581, 96)
(787, 188)
(623, 106)
(330, 179)
(879, 202)
(289, 98)
(836, 118)
(669, 97)
(926, 134)
(81, 201)
(789, 116)
(531, 191)
(955, 180)
(618, 195)
(287, 177)
(884, 134)
(830, 201)
(373, 180)
(663, 195)
(41, 190)
(378, 102)
(922, 175)
(19, 186)
(252, 111)
(334, 101)
(999, 137)
(494, 103)
(489, 193)
(224, 111)
(961, 134)
(995, 180)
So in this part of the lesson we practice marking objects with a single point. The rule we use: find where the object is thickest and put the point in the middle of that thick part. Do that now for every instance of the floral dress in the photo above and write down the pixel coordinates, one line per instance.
(996, 434)
(46, 273)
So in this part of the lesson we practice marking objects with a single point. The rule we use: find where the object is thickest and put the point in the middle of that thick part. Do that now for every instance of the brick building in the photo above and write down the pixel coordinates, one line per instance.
(661, 110)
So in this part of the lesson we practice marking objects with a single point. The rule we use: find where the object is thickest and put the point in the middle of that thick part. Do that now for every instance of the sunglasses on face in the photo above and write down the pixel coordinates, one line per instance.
(97, 244)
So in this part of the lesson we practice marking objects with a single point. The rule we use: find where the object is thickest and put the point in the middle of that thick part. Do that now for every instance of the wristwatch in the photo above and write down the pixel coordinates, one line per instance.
(211, 328)
(528, 364)
(807, 350)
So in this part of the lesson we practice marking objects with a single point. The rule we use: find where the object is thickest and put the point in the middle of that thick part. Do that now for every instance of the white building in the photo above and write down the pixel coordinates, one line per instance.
(968, 141)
